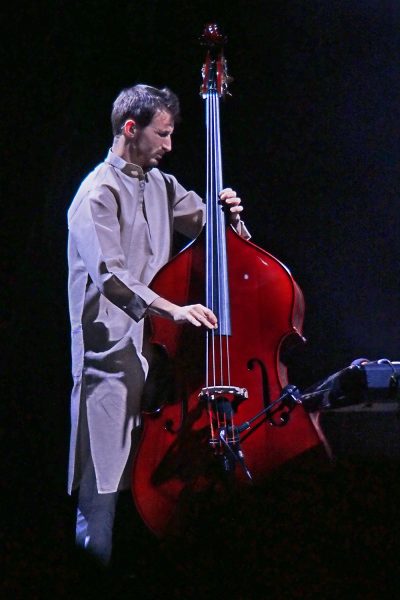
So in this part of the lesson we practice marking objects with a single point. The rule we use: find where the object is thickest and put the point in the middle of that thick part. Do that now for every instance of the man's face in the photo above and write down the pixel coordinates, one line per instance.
(154, 140)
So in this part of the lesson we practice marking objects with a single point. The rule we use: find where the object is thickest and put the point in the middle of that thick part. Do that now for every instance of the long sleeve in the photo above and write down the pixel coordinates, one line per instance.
(96, 233)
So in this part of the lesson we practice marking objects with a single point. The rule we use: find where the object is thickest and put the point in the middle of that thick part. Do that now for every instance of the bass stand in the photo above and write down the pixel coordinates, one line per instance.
(230, 436)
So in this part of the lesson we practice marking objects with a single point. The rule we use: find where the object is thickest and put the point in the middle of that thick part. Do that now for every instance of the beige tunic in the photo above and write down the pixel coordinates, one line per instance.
(121, 224)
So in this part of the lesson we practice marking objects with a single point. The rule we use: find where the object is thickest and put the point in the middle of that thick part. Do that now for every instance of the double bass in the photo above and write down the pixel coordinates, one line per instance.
(224, 414)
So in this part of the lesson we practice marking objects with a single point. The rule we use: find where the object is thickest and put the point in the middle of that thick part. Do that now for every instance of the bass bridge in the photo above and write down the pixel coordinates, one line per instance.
(222, 402)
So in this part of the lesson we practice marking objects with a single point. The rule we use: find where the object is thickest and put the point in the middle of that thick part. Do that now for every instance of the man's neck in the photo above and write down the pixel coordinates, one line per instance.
(122, 149)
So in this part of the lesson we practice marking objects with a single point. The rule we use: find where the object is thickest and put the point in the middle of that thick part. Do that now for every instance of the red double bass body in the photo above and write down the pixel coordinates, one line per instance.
(184, 449)
(174, 457)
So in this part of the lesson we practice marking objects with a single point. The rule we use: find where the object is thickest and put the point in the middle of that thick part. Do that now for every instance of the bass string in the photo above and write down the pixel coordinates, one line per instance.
(217, 288)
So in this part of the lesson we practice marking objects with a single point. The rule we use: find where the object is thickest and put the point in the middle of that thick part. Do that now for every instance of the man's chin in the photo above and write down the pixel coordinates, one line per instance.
(153, 162)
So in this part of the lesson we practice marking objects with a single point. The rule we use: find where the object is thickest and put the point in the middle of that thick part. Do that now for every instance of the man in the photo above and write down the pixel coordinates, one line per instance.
(121, 224)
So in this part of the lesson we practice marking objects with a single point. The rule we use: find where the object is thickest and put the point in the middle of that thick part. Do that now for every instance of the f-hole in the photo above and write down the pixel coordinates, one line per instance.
(264, 378)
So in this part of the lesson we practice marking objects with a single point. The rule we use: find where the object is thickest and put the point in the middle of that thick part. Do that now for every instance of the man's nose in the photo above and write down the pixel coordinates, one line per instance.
(167, 144)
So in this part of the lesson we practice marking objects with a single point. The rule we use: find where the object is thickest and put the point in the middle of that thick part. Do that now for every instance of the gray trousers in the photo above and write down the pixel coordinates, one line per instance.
(95, 517)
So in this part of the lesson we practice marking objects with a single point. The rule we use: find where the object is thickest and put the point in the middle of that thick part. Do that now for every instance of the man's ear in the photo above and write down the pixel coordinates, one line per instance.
(129, 128)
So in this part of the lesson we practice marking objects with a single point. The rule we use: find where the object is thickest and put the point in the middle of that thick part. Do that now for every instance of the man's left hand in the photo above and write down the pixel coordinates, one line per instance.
(233, 203)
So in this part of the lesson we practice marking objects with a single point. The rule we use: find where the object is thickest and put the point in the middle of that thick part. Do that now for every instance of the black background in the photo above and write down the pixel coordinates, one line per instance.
(310, 143)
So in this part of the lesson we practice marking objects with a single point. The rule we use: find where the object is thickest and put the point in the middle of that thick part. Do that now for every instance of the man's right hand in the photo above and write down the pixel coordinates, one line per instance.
(196, 314)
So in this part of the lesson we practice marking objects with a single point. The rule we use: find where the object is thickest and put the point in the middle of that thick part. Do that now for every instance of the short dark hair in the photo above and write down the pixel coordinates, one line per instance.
(141, 102)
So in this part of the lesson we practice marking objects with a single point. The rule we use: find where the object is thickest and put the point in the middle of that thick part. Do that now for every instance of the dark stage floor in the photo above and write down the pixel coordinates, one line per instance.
(314, 530)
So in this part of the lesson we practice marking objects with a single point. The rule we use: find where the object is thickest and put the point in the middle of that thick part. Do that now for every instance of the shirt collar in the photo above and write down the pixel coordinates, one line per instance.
(129, 169)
